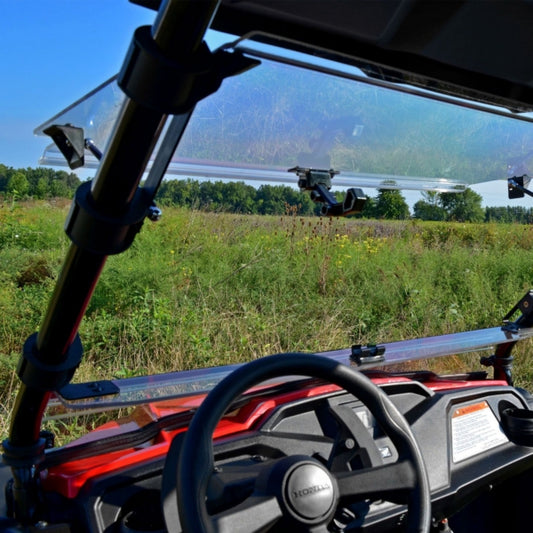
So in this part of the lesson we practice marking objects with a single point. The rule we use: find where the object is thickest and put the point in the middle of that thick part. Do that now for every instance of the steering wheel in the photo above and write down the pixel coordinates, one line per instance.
(297, 492)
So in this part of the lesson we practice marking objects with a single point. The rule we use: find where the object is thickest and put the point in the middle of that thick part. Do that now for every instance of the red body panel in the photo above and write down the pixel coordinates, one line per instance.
(67, 479)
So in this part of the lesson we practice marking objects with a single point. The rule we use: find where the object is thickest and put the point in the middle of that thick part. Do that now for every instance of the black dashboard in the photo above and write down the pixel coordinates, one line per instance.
(470, 461)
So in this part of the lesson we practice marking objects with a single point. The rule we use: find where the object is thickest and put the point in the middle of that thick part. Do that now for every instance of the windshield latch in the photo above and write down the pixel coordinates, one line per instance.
(364, 355)
(318, 182)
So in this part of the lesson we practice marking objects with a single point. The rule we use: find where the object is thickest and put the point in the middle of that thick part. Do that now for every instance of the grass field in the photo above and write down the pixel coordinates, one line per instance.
(206, 289)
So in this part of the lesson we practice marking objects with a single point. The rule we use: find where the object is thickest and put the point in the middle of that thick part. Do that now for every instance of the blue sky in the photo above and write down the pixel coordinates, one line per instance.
(55, 51)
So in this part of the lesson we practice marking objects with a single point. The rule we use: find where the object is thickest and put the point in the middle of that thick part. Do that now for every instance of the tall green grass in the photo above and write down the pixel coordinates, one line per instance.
(206, 289)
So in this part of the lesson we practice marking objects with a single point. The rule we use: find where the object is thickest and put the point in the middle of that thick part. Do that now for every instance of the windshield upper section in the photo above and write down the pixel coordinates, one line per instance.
(300, 111)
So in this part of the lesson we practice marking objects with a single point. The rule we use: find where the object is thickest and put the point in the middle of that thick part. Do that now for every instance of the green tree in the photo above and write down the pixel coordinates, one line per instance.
(179, 192)
(18, 185)
(369, 209)
(272, 199)
(41, 189)
(463, 207)
(391, 204)
(212, 195)
(4, 177)
(59, 189)
(239, 197)
(428, 211)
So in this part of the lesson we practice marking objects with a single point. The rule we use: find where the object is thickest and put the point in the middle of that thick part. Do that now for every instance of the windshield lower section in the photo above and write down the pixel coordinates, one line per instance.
(191, 383)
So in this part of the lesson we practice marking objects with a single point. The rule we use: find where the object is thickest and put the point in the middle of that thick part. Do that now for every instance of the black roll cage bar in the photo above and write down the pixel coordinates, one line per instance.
(167, 70)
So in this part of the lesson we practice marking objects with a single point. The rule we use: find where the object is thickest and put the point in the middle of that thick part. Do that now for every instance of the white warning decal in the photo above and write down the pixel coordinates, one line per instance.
(475, 429)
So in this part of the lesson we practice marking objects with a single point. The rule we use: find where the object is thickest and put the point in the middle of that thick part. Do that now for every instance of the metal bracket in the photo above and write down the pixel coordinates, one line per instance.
(92, 389)
(319, 183)
(525, 305)
(516, 188)
(164, 84)
(363, 355)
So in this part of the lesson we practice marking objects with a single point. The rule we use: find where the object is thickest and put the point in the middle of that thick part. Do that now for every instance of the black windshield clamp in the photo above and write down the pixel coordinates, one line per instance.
(502, 360)
(43, 376)
(158, 82)
(22, 493)
(365, 355)
(102, 234)
(516, 187)
(318, 182)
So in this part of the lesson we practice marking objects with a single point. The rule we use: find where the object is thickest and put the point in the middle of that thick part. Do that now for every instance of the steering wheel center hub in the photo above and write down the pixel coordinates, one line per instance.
(310, 491)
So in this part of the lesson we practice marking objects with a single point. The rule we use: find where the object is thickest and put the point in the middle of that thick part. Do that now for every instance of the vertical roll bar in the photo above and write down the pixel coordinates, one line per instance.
(178, 31)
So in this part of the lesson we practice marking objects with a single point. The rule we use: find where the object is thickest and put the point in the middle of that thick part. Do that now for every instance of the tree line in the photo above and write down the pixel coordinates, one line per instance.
(39, 183)
(239, 197)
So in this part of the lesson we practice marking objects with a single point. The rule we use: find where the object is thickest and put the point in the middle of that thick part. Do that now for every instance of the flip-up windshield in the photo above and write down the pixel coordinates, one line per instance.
(295, 110)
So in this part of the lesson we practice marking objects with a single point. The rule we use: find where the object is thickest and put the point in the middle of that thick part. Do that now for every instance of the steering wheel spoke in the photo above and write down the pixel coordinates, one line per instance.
(230, 484)
(388, 482)
(256, 513)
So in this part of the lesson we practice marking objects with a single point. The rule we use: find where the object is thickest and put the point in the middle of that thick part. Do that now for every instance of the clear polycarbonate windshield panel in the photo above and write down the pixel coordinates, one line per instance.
(143, 389)
(296, 110)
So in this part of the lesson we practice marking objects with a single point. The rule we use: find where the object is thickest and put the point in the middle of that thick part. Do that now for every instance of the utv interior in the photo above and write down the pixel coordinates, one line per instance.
(310, 93)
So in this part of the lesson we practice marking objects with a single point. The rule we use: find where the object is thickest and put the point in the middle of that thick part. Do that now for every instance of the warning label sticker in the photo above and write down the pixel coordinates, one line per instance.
(475, 429)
